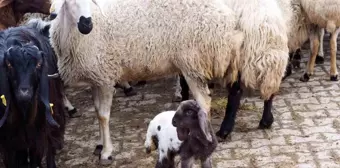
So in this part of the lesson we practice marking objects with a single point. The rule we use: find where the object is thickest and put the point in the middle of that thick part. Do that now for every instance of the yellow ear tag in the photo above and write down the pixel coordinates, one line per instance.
(3, 99)
(51, 105)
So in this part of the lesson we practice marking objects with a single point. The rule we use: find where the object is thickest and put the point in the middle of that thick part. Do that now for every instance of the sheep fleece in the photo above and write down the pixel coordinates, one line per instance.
(144, 39)
(324, 13)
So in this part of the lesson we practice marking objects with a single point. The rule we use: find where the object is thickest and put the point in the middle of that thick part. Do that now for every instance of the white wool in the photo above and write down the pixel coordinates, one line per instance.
(166, 133)
(264, 55)
(325, 14)
(147, 39)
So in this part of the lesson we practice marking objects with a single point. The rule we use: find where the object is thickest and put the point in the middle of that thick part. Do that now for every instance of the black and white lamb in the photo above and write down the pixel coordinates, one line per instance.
(186, 132)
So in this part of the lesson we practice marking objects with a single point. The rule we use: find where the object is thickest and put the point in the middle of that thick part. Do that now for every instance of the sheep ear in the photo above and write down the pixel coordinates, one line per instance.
(44, 92)
(100, 8)
(203, 122)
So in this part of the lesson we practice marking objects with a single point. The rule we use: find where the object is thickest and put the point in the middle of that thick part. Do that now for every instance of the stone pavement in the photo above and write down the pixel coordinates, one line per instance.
(306, 131)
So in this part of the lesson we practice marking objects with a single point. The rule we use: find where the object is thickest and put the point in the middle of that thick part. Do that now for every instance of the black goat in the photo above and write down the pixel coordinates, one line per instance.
(196, 132)
(29, 130)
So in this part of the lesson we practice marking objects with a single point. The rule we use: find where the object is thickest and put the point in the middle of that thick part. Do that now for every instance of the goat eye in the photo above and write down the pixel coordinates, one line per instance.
(189, 112)
(9, 65)
(38, 65)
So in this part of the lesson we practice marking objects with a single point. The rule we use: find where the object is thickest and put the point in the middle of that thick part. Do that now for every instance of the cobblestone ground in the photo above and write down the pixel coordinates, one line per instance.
(306, 131)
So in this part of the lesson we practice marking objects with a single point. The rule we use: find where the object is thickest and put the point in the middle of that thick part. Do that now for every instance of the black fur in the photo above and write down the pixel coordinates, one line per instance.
(35, 135)
(234, 98)
(196, 132)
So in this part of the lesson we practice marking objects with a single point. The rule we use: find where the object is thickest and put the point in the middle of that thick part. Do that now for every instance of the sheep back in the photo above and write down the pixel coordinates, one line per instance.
(326, 14)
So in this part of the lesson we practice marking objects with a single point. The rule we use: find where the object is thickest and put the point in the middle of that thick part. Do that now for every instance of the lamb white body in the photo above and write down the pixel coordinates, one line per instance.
(143, 40)
(161, 128)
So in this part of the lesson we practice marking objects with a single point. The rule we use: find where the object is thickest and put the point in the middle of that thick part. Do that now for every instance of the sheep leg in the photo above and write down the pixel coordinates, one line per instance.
(95, 97)
(314, 41)
(167, 162)
(320, 56)
(333, 46)
(200, 92)
(187, 162)
(296, 58)
(185, 88)
(207, 163)
(128, 90)
(178, 96)
(71, 110)
(267, 115)
(105, 101)
(234, 99)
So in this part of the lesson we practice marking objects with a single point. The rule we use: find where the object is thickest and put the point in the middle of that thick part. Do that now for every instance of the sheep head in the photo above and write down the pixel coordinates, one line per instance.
(80, 12)
(191, 119)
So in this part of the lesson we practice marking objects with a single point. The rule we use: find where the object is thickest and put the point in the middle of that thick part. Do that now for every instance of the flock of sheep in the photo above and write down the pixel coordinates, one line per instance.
(98, 43)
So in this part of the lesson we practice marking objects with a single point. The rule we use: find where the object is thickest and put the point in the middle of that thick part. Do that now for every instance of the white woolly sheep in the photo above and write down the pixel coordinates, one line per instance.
(324, 14)
(264, 55)
(186, 131)
(143, 40)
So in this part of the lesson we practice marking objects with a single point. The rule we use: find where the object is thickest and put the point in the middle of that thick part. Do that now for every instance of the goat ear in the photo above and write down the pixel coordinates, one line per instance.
(203, 122)
(4, 90)
(5, 59)
(44, 92)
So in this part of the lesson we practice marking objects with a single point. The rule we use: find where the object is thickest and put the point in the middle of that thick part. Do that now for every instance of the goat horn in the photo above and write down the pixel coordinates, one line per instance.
(55, 75)
(36, 47)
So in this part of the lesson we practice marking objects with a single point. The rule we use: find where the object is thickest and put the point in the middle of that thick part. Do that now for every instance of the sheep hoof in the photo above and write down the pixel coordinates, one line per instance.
(98, 150)
(106, 162)
(334, 78)
(211, 85)
(265, 124)
(74, 113)
(296, 64)
(148, 150)
(130, 92)
(305, 77)
(319, 60)
(222, 135)
(141, 83)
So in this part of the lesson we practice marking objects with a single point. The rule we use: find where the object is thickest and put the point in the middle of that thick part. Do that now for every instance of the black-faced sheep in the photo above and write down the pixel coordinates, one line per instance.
(31, 127)
(186, 131)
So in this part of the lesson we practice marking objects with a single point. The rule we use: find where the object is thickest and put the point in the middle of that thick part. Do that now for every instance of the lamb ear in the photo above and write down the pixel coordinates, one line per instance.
(203, 122)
